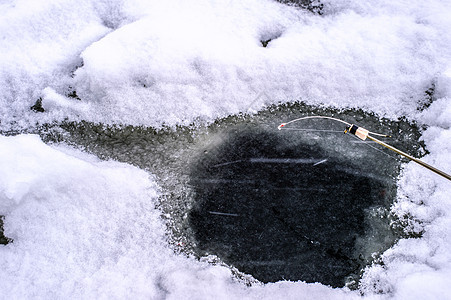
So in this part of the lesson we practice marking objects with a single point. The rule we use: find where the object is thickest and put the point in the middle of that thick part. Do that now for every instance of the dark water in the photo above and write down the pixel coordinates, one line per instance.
(278, 208)
(296, 205)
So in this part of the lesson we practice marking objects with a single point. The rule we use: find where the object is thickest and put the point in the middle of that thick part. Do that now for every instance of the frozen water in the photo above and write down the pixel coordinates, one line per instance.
(293, 217)
(245, 164)
(295, 220)
(159, 63)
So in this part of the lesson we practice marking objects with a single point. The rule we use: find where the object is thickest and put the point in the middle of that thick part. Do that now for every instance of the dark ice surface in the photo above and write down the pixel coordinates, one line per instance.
(282, 210)
(306, 203)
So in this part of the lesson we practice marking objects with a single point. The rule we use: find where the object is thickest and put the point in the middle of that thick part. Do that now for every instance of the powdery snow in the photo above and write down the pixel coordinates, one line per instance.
(84, 228)
(153, 62)
(421, 268)
(88, 229)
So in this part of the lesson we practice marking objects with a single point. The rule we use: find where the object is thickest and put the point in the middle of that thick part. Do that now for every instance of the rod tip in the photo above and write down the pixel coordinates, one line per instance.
(281, 125)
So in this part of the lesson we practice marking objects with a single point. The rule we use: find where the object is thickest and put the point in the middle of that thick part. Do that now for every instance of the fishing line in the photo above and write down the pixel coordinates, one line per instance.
(312, 130)
(374, 148)
(363, 134)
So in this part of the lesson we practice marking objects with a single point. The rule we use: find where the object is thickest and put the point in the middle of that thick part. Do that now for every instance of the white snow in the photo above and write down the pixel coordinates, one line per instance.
(421, 268)
(88, 229)
(83, 228)
(153, 62)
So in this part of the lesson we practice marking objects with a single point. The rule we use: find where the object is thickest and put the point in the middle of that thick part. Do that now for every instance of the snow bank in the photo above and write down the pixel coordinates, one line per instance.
(421, 268)
(207, 61)
(148, 62)
(41, 44)
(88, 229)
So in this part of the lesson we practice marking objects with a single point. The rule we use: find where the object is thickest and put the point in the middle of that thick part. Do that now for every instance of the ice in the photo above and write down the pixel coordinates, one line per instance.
(83, 228)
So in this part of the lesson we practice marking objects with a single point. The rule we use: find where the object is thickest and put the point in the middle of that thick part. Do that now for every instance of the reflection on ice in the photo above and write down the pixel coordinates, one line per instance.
(223, 214)
(285, 160)
(266, 160)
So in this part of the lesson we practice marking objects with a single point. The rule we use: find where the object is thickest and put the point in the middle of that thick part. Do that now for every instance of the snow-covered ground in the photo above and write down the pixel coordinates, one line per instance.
(85, 228)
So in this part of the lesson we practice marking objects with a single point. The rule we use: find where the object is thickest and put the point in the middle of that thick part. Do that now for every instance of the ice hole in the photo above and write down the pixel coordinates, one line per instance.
(311, 203)
(280, 209)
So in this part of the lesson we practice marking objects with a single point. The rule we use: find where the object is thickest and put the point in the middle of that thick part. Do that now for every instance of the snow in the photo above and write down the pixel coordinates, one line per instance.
(86, 228)
(420, 268)
(147, 62)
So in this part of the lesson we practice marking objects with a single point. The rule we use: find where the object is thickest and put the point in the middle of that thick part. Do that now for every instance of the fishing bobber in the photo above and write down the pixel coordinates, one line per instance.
(360, 132)
(281, 125)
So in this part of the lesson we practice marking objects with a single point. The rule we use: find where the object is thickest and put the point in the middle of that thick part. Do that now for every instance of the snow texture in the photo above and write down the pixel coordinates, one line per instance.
(153, 62)
(83, 228)
(88, 229)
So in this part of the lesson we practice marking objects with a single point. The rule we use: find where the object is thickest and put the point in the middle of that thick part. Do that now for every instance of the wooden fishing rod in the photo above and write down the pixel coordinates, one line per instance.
(363, 134)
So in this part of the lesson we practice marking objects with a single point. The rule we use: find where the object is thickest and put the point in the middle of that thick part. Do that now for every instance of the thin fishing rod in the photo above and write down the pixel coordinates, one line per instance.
(422, 163)
(330, 118)
(363, 134)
